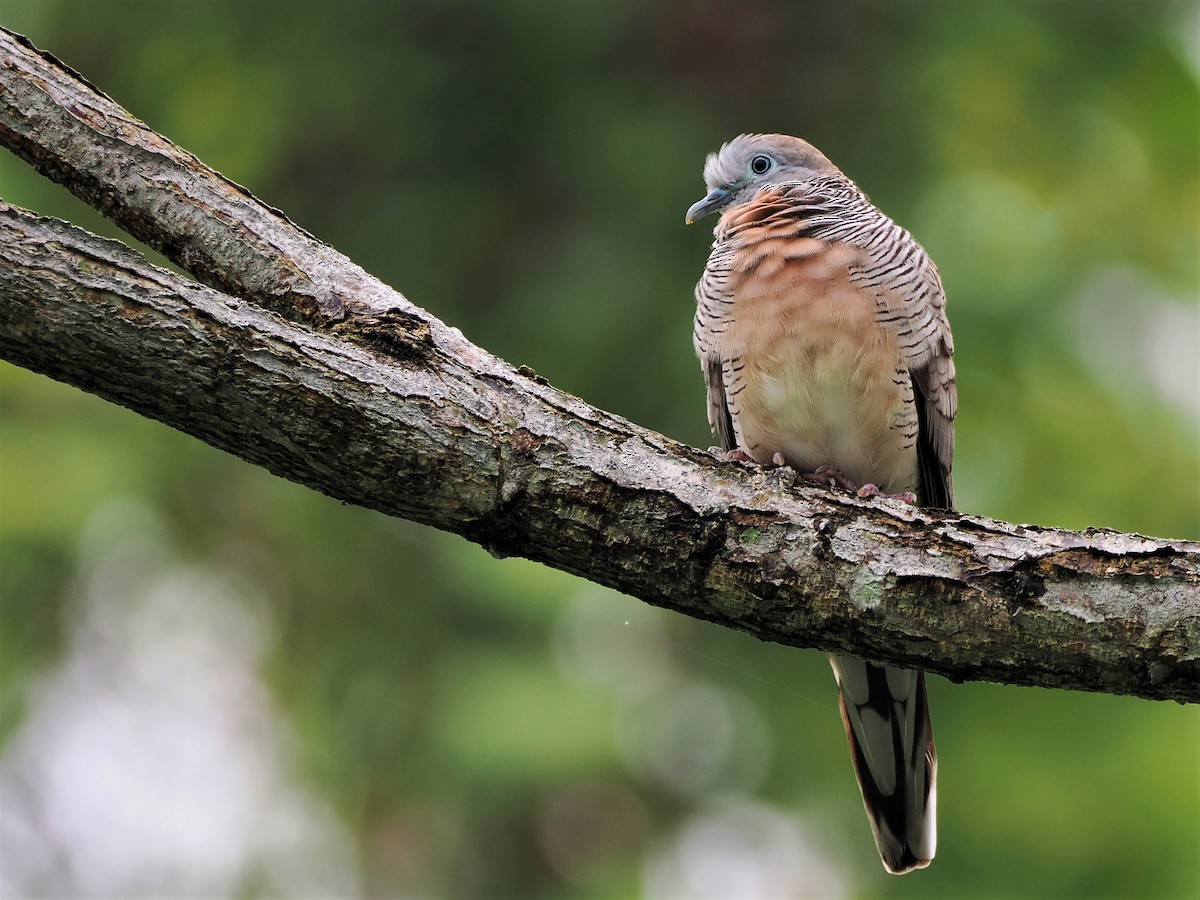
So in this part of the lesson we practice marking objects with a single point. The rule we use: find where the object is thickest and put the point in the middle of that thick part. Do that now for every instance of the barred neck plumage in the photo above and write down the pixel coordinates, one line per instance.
(831, 207)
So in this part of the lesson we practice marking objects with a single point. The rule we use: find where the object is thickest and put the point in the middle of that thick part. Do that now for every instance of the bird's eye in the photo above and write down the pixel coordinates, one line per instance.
(761, 164)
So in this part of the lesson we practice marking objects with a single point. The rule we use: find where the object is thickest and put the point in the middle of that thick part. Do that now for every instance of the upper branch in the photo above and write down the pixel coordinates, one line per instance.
(325, 376)
(162, 195)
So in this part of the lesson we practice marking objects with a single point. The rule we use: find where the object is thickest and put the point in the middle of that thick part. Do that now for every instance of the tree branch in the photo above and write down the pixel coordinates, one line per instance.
(302, 363)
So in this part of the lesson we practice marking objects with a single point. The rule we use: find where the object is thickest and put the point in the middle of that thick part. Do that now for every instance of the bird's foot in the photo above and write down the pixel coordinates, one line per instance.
(737, 454)
(830, 475)
(870, 490)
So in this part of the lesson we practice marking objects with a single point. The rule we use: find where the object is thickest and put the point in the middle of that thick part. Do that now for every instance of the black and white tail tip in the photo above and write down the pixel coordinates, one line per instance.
(886, 715)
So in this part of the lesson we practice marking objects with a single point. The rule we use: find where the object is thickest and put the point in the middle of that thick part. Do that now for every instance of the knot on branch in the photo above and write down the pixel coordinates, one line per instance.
(403, 337)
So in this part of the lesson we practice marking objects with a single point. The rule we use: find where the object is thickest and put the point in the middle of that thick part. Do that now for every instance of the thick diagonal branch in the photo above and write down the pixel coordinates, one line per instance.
(385, 417)
(327, 377)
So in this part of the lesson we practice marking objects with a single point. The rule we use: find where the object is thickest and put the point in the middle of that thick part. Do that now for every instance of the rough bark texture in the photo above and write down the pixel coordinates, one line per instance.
(308, 366)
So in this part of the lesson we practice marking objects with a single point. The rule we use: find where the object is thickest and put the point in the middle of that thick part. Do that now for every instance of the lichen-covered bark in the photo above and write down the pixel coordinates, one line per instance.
(301, 362)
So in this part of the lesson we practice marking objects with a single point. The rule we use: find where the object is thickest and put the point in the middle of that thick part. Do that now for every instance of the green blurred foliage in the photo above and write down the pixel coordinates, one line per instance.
(521, 169)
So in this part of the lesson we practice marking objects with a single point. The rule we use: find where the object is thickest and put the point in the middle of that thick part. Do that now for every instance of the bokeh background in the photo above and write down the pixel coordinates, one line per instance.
(216, 683)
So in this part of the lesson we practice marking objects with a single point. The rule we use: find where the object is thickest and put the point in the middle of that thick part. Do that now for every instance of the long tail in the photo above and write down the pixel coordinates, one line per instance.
(886, 715)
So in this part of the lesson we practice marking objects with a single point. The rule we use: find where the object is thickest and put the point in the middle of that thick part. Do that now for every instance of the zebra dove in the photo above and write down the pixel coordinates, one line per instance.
(822, 333)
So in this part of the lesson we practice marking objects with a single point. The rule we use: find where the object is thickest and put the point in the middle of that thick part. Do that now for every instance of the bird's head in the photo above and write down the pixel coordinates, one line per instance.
(750, 162)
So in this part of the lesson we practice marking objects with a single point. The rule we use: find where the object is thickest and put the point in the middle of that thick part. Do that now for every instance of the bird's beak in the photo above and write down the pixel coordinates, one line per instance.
(713, 200)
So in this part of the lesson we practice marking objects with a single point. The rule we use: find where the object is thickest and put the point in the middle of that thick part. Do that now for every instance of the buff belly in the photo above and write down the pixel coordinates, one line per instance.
(828, 388)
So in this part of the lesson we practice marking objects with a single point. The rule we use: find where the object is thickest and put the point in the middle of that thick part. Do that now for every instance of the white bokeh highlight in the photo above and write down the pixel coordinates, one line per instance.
(151, 762)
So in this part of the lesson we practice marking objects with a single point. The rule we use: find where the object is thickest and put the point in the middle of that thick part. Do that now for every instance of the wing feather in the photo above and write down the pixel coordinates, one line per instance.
(718, 404)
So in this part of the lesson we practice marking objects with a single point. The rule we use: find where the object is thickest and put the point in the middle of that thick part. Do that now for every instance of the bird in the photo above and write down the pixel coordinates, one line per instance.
(822, 335)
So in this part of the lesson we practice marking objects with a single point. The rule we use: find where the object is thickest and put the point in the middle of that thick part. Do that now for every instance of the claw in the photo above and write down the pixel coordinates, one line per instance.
(830, 475)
